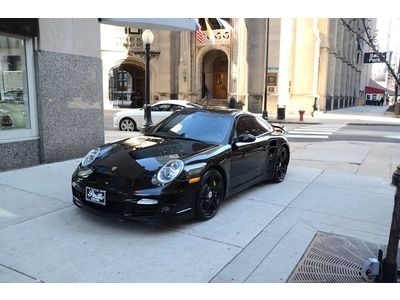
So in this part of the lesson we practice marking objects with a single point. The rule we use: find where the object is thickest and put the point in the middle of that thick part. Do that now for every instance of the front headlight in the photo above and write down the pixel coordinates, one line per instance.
(90, 157)
(170, 171)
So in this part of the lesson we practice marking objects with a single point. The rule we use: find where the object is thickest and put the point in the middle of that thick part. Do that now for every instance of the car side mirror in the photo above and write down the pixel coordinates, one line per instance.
(245, 138)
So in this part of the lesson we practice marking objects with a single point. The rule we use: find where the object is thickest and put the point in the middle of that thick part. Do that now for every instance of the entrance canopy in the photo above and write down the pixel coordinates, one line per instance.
(375, 88)
(169, 24)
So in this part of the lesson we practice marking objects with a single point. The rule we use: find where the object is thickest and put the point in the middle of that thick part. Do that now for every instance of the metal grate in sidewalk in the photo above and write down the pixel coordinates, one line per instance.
(333, 258)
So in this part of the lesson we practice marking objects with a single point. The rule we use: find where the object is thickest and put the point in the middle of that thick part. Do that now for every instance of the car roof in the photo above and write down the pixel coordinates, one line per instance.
(222, 110)
(178, 102)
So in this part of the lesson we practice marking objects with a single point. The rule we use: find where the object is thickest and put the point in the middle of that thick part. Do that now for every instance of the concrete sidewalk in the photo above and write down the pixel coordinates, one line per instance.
(356, 114)
(258, 235)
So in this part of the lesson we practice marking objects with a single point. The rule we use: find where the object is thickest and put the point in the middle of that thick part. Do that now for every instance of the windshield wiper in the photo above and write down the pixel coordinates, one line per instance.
(179, 137)
(173, 136)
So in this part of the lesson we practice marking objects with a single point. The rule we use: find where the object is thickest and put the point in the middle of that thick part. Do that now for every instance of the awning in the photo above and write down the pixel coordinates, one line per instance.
(374, 85)
(168, 24)
(372, 90)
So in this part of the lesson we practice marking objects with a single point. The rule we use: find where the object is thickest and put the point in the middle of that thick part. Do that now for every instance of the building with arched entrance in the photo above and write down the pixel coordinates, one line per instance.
(263, 63)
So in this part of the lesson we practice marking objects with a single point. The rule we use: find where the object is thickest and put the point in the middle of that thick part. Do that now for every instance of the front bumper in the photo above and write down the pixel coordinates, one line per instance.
(171, 206)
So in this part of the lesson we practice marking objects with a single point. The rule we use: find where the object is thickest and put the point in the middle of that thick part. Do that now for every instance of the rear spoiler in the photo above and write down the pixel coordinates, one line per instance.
(280, 128)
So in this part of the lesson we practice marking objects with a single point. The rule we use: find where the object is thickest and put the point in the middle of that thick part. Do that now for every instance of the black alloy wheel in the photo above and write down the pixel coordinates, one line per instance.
(210, 195)
(281, 164)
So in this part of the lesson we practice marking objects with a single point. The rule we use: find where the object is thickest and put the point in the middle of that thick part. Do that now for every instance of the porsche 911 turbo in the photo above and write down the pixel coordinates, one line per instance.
(181, 168)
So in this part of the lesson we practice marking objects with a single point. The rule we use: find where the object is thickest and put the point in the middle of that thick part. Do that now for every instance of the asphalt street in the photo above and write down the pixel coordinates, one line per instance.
(320, 132)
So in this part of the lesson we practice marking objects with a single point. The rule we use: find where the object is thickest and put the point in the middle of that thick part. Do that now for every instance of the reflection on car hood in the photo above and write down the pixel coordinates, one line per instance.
(138, 158)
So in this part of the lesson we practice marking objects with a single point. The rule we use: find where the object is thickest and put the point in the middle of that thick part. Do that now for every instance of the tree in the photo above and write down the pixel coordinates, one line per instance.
(364, 33)
(389, 264)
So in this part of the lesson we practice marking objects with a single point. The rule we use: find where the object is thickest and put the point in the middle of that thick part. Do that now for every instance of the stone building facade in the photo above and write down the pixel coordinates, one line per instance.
(288, 63)
(51, 101)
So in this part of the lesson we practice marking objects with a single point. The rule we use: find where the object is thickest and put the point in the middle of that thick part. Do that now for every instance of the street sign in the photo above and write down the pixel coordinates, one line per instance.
(372, 57)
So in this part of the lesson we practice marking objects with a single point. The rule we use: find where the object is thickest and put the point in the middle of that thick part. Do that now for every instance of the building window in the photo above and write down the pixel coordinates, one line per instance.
(17, 110)
(129, 30)
(213, 23)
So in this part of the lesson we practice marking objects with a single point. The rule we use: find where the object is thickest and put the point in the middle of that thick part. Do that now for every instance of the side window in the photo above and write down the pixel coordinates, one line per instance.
(243, 126)
(175, 107)
(250, 125)
(161, 107)
(264, 127)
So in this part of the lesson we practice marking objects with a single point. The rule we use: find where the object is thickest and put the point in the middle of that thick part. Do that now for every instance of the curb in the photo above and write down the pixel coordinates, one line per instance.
(293, 122)
(375, 124)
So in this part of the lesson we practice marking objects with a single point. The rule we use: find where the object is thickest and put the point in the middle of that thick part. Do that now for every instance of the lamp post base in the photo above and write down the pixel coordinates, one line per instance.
(396, 176)
(147, 118)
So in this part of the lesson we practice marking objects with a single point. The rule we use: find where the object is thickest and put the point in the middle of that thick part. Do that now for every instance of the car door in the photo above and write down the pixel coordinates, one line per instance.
(160, 111)
(248, 158)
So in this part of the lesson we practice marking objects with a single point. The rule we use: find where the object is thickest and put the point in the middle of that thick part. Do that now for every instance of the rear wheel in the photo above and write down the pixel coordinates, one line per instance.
(127, 124)
(210, 195)
(281, 164)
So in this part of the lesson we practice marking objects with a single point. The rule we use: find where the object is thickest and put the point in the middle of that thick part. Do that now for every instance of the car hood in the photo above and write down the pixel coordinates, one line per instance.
(133, 162)
(129, 112)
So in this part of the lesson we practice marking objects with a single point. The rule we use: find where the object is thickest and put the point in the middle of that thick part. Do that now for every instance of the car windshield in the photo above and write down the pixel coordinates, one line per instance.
(205, 126)
(192, 104)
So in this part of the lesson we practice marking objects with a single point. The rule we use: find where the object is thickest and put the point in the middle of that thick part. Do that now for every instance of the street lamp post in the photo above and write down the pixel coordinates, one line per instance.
(147, 37)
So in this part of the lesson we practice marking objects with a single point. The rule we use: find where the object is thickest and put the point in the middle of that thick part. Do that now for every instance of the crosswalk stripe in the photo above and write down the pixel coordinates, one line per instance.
(393, 137)
(316, 130)
(310, 132)
(325, 128)
(307, 136)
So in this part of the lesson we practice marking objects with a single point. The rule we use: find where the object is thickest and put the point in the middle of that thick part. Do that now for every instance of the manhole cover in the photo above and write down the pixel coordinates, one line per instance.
(334, 258)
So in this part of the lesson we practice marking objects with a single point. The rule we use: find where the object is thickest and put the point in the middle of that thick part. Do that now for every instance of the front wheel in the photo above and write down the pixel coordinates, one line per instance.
(281, 164)
(127, 124)
(210, 194)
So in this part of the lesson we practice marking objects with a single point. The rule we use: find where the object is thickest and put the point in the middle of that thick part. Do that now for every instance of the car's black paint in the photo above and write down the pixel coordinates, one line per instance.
(126, 171)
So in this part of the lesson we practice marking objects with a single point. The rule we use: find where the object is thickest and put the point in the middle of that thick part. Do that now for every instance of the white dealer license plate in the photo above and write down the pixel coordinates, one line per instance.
(95, 195)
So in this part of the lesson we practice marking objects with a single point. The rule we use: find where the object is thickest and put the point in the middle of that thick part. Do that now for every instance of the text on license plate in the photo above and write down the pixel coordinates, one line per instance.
(95, 195)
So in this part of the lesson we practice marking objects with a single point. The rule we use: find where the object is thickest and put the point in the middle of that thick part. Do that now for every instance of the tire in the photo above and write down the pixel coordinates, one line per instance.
(281, 164)
(210, 194)
(127, 124)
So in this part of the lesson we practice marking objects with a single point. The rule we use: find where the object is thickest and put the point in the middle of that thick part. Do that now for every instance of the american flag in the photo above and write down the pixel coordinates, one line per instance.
(200, 37)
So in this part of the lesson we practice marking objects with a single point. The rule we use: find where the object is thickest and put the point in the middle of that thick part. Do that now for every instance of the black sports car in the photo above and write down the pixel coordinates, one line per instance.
(181, 168)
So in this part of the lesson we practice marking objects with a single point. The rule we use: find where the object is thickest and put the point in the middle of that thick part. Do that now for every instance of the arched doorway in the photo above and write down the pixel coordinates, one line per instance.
(215, 75)
(126, 85)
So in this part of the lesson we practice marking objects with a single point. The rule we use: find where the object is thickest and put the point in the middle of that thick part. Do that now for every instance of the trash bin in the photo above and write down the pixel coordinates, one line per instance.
(397, 108)
(281, 113)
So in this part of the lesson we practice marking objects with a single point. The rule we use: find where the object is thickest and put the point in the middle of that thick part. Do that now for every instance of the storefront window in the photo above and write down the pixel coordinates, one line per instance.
(16, 70)
(14, 101)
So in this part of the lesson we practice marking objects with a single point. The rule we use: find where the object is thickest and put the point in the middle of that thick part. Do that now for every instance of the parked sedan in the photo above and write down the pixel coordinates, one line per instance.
(130, 120)
(183, 167)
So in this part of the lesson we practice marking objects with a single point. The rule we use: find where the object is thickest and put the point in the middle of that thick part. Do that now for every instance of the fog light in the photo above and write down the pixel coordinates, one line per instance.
(145, 201)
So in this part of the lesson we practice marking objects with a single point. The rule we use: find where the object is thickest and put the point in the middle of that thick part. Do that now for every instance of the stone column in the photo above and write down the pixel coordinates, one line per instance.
(344, 80)
(330, 89)
(324, 61)
(256, 32)
(339, 63)
(284, 58)
(164, 67)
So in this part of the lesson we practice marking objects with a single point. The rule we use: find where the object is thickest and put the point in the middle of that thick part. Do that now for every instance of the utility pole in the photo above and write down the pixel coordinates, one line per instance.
(389, 265)
(265, 111)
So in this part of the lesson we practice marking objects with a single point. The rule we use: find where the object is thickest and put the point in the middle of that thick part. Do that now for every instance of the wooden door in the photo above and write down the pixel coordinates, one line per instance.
(220, 85)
